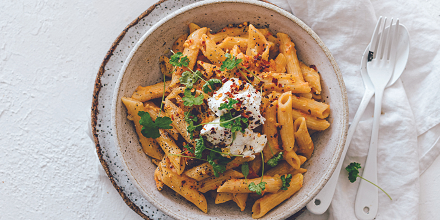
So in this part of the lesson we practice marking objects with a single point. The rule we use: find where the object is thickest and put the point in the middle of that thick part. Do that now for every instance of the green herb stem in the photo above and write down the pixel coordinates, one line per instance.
(240, 66)
(376, 186)
(244, 75)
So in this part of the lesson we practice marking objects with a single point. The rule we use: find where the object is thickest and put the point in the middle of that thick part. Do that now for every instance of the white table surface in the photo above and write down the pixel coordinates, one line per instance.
(50, 52)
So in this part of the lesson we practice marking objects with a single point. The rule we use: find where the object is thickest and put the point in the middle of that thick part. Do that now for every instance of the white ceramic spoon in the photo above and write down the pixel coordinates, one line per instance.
(322, 201)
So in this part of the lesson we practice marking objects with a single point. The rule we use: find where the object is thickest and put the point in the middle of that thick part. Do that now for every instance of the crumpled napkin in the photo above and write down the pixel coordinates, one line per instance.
(409, 125)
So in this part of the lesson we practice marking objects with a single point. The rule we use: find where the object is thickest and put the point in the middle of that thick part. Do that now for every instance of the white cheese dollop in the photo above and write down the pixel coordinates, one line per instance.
(250, 100)
(244, 92)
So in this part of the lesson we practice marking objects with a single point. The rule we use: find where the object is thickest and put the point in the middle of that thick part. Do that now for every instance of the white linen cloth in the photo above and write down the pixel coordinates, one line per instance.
(409, 126)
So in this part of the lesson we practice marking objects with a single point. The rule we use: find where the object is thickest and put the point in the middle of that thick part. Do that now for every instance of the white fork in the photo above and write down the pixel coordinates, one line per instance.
(380, 69)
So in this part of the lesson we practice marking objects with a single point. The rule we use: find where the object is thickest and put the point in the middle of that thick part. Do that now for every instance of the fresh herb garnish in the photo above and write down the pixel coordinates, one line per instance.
(177, 60)
(245, 170)
(150, 128)
(200, 147)
(189, 99)
(353, 173)
(219, 166)
(230, 63)
(229, 105)
(190, 120)
(258, 188)
(210, 85)
(237, 123)
(189, 148)
(274, 160)
(286, 181)
(189, 78)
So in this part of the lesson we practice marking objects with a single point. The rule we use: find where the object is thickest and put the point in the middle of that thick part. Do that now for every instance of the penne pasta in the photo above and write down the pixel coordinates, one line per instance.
(212, 183)
(312, 77)
(312, 123)
(285, 120)
(178, 44)
(143, 94)
(273, 184)
(240, 199)
(305, 143)
(223, 197)
(205, 170)
(270, 201)
(211, 51)
(270, 129)
(292, 158)
(172, 151)
(287, 48)
(193, 27)
(257, 44)
(149, 146)
(314, 108)
(185, 187)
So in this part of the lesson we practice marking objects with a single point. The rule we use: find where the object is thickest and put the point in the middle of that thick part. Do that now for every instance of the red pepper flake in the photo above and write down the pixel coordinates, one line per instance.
(314, 67)
(224, 79)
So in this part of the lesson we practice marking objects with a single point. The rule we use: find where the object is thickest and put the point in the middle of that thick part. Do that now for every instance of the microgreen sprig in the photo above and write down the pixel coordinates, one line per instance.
(258, 188)
(353, 173)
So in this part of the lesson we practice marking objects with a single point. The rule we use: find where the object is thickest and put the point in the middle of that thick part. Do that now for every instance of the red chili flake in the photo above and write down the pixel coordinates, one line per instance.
(314, 67)
(224, 79)
(275, 80)
(279, 85)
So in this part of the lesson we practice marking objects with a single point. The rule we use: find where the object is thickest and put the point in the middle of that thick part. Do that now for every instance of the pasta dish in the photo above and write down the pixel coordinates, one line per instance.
(232, 118)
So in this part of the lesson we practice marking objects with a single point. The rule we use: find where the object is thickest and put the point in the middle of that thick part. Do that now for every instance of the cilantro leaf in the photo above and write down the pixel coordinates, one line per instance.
(230, 63)
(190, 117)
(200, 147)
(234, 123)
(191, 128)
(190, 100)
(189, 148)
(189, 78)
(150, 128)
(353, 171)
(245, 169)
(229, 105)
(274, 160)
(217, 168)
(286, 181)
(177, 60)
(220, 166)
(257, 188)
(190, 120)
(211, 84)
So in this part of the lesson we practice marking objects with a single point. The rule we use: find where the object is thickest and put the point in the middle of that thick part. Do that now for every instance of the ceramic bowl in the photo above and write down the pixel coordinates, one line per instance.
(142, 68)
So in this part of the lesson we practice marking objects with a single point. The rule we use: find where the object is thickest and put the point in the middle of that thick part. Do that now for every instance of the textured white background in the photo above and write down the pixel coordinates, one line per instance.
(50, 52)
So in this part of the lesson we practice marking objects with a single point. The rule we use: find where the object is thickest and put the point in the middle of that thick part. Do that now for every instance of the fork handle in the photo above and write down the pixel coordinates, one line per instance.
(367, 199)
(322, 201)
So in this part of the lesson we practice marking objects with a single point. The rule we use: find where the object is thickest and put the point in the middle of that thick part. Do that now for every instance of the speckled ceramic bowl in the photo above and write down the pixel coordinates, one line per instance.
(142, 68)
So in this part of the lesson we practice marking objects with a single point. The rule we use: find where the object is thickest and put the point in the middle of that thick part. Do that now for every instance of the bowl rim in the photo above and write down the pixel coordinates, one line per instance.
(310, 32)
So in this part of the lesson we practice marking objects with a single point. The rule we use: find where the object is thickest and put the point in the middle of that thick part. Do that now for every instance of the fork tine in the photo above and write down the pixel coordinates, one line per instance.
(382, 41)
(393, 48)
(373, 43)
(389, 40)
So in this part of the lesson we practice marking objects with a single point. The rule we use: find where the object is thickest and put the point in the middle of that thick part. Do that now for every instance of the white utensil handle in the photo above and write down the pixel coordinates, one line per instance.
(322, 201)
(367, 199)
